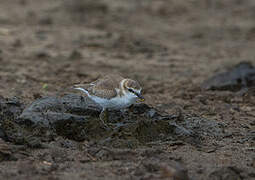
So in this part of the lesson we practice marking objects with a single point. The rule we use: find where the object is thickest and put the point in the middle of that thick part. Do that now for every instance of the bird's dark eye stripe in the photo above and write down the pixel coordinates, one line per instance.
(131, 90)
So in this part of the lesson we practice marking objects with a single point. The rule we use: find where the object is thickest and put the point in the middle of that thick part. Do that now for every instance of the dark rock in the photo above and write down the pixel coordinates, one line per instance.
(80, 105)
(77, 117)
(225, 173)
(69, 116)
(51, 109)
(46, 104)
(30, 118)
(37, 112)
(10, 107)
(241, 76)
(13, 132)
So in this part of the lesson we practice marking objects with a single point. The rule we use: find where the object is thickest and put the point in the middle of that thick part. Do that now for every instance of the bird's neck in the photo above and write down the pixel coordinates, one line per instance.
(122, 89)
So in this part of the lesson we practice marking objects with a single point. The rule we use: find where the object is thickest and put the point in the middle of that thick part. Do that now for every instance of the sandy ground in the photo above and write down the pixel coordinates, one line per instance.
(170, 47)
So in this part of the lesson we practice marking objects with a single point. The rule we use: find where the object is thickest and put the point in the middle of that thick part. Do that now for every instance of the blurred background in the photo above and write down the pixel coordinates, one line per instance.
(46, 46)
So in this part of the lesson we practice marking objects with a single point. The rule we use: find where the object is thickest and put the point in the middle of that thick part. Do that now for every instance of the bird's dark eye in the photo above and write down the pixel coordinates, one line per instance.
(131, 90)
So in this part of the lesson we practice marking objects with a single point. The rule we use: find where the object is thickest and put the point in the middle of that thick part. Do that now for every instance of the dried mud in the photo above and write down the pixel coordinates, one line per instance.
(194, 59)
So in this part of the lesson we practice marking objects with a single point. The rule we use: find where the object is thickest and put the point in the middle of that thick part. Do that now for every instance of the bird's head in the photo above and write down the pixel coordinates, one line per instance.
(132, 88)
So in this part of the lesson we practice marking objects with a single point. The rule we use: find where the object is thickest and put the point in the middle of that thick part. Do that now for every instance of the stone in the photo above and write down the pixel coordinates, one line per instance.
(239, 77)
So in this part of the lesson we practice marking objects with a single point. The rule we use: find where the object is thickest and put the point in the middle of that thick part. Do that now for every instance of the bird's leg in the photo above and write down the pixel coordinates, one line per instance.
(104, 116)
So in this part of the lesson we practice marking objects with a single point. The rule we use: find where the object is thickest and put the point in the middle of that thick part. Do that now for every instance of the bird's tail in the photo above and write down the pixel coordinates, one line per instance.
(81, 89)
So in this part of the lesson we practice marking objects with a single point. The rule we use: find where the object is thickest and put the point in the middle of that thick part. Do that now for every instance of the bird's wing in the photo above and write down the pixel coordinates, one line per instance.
(104, 87)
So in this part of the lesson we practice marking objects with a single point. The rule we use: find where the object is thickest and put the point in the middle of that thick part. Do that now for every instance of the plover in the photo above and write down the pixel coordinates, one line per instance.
(112, 92)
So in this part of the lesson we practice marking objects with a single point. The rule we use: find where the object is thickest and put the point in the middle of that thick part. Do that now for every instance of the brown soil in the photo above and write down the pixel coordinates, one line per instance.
(171, 47)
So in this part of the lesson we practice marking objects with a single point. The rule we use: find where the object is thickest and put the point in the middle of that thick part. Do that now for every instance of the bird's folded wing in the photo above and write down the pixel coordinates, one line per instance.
(104, 87)
(103, 93)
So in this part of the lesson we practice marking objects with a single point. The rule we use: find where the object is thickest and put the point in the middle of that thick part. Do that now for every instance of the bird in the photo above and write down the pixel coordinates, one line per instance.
(112, 92)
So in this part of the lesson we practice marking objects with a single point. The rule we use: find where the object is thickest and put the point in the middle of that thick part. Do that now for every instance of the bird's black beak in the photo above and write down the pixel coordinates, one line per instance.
(140, 96)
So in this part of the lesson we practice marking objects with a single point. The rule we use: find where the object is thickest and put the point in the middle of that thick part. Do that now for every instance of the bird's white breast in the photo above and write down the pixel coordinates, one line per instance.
(118, 102)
